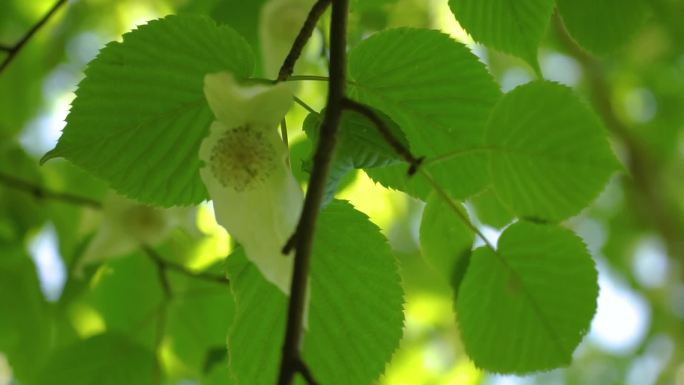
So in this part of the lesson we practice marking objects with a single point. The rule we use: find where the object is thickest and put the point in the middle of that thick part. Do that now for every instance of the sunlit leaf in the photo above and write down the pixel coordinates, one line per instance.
(438, 93)
(549, 153)
(512, 26)
(140, 113)
(526, 307)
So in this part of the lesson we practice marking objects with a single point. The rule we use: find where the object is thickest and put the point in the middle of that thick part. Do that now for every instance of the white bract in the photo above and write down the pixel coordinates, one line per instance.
(247, 171)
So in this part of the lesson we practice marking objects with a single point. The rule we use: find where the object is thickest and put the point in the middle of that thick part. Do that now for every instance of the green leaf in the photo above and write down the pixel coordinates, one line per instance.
(359, 145)
(550, 155)
(444, 237)
(602, 26)
(355, 292)
(24, 331)
(512, 26)
(106, 359)
(355, 312)
(526, 307)
(140, 113)
(438, 93)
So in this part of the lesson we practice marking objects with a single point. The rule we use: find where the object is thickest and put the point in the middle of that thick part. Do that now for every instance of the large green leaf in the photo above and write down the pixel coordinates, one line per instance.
(438, 93)
(527, 306)
(602, 26)
(355, 312)
(512, 26)
(549, 153)
(106, 359)
(140, 113)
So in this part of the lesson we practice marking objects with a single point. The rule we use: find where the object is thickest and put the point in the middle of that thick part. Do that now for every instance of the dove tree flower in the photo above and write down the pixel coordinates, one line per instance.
(246, 171)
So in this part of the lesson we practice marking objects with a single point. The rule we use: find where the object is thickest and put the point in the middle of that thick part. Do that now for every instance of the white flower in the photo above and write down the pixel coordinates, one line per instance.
(247, 171)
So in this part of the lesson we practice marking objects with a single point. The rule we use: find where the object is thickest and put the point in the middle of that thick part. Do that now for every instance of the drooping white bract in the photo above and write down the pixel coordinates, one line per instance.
(247, 171)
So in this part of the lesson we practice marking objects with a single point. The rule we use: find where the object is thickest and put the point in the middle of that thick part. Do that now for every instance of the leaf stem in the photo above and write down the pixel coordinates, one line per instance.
(304, 105)
(297, 78)
(302, 38)
(14, 50)
(303, 241)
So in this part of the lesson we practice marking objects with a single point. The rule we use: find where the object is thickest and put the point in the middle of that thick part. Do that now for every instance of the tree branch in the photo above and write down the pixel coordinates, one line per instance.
(40, 192)
(302, 38)
(168, 265)
(306, 373)
(398, 147)
(14, 50)
(303, 241)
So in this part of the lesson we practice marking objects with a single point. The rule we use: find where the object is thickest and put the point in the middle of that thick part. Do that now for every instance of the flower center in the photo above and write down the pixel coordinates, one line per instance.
(241, 158)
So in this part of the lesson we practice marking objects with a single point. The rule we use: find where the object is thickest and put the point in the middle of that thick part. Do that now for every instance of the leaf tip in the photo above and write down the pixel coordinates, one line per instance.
(54, 153)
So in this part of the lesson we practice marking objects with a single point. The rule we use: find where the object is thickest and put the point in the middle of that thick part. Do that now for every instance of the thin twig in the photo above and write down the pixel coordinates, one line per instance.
(304, 370)
(158, 259)
(386, 133)
(14, 50)
(302, 38)
(314, 195)
(40, 192)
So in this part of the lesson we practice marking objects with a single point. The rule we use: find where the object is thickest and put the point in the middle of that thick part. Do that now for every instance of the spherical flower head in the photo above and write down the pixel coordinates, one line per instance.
(246, 171)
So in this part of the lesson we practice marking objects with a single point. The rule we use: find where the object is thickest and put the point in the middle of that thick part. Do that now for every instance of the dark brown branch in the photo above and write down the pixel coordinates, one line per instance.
(303, 241)
(302, 38)
(168, 265)
(40, 192)
(386, 133)
(306, 373)
(660, 211)
(14, 50)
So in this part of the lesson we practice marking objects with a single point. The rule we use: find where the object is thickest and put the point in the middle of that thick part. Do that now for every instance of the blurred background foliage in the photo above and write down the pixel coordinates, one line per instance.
(78, 295)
